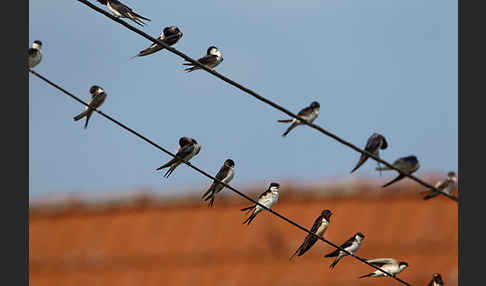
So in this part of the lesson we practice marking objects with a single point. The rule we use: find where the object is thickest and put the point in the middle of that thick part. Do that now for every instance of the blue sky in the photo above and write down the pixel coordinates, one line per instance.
(375, 66)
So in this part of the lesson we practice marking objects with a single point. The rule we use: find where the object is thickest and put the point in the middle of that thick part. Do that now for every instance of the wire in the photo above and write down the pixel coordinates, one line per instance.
(261, 98)
(211, 177)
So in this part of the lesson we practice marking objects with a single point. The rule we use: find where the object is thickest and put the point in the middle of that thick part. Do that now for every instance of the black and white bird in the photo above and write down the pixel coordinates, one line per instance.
(436, 280)
(121, 10)
(351, 245)
(389, 265)
(35, 54)
(407, 164)
(267, 198)
(212, 58)
(188, 148)
(373, 145)
(319, 227)
(170, 36)
(309, 114)
(447, 186)
(98, 96)
(225, 175)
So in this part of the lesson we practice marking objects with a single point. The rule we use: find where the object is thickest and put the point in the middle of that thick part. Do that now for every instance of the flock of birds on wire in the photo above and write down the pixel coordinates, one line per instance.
(189, 147)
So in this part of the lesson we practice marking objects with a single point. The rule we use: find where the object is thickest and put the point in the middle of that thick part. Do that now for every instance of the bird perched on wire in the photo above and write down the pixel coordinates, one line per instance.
(188, 148)
(121, 10)
(407, 164)
(309, 114)
(267, 198)
(351, 245)
(447, 186)
(436, 280)
(319, 227)
(389, 265)
(225, 175)
(35, 54)
(212, 58)
(170, 36)
(373, 145)
(98, 96)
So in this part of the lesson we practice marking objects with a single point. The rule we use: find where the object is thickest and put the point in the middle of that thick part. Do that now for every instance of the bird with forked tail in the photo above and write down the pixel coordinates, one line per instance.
(268, 198)
(319, 228)
(225, 175)
(188, 148)
(98, 96)
(408, 164)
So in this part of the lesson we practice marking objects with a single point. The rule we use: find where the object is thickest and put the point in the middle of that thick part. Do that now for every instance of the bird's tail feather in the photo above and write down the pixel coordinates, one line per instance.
(333, 254)
(247, 208)
(361, 161)
(335, 262)
(399, 177)
(290, 128)
(298, 249)
(90, 112)
(367, 275)
(81, 115)
(140, 16)
(249, 219)
(285, 120)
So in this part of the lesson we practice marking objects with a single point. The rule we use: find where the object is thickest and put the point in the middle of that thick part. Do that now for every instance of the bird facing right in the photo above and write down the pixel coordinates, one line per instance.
(170, 36)
(308, 113)
(98, 96)
(188, 148)
(268, 198)
(319, 228)
(225, 175)
(351, 245)
(373, 145)
(212, 59)
(407, 164)
(389, 265)
(447, 186)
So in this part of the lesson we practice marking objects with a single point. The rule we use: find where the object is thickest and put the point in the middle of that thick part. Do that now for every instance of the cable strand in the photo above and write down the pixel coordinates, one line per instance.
(213, 178)
(267, 101)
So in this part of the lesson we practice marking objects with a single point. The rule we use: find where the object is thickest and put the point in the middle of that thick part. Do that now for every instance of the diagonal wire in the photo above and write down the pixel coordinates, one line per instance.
(261, 98)
(211, 177)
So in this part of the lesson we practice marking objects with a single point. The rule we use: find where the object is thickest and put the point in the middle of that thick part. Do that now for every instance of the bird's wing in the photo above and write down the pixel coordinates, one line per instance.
(382, 261)
(208, 59)
(32, 51)
(120, 7)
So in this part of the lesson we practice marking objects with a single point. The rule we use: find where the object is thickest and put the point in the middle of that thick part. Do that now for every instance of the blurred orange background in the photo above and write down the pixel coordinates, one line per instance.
(145, 240)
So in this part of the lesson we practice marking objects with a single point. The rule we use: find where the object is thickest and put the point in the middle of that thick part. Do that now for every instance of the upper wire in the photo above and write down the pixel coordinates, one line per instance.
(261, 98)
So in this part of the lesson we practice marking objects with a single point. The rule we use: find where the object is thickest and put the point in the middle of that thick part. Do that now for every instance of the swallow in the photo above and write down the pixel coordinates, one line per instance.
(267, 198)
(188, 148)
(170, 36)
(98, 96)
(446, 186)
(320, 226)
(212, 58)
(373, 145)
(389, 265)
(407, 164)
(121, 10)
(35, 54)
(225, 175)
(436, 280)
(351, 245)
(309, 114)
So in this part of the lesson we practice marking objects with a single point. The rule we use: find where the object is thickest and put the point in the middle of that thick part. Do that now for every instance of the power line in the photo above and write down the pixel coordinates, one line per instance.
(261, 98)
(211, 177)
